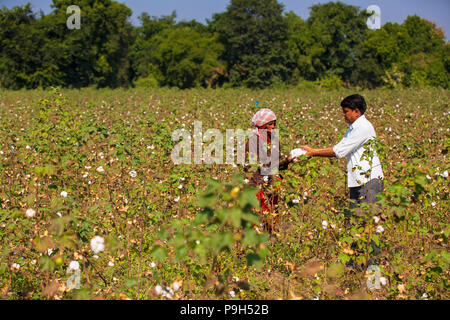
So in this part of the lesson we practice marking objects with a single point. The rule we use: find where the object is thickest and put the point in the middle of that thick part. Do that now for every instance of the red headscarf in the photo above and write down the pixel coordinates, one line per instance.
(260, 118)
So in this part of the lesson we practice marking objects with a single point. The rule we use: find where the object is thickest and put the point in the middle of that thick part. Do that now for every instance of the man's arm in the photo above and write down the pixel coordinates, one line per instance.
(325, 152)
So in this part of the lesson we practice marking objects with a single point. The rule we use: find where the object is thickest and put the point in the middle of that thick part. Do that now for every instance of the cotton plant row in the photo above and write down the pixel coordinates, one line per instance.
(89, 188)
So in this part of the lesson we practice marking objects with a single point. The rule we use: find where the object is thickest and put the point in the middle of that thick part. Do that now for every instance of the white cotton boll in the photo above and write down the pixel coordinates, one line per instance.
(376, 219)
(100, 169)
(97, 244)
(158, 290)
(324, 224)
(232, 293)
(30, 213)
(74, 266)
(110, 264)
(295, 201)
(152, 264)
(168, 293)
(425, 296)
(16, 266)
(383, 281)
(132, 174)
(380, 229)
(64, 194)
(445, 174)
(298, 152)
(180, 186)
(176, 286)
(177, 199)
(433, 204)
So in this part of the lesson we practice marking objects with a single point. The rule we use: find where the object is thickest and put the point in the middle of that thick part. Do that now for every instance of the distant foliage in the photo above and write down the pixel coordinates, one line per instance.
(253, 43)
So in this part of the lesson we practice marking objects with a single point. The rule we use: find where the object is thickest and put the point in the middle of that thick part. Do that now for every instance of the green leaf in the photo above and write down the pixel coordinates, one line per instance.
(67, 240)
(251, 238)
(255, 260)
(46, 263)
(343, 257)
(159, 253)
(181, 252)
(131, 283)
(248, 197)
(234, 216)
(335, 270)
(43, 244)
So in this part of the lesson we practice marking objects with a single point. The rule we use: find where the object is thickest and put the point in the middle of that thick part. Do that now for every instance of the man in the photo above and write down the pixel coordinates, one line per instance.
(364, 174)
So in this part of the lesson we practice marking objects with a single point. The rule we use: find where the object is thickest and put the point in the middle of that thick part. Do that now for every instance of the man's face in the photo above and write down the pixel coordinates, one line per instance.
(350, 115)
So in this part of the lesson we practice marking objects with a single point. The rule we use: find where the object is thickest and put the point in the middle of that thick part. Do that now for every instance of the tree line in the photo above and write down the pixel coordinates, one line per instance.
(254, 44)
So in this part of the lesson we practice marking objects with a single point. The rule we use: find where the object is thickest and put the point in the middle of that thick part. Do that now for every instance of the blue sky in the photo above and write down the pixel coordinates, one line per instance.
(200, 10)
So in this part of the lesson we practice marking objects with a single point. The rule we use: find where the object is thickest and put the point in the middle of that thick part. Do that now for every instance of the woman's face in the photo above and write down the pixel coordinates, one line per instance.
(269, 126)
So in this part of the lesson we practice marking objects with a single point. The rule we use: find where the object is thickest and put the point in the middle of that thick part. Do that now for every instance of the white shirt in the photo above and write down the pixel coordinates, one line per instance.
(352, 146)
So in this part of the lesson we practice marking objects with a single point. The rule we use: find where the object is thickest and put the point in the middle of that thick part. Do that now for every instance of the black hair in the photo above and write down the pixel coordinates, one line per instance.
(353, 102)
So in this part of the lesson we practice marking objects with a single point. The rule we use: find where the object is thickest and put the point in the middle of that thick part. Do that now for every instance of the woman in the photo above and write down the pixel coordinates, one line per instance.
(262, 147)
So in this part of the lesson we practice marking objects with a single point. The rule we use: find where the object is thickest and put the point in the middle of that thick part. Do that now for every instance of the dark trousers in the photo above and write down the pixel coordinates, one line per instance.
(365, 194)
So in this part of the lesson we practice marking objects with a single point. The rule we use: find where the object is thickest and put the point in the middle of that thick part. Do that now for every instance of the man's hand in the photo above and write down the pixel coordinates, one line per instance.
(309, 151)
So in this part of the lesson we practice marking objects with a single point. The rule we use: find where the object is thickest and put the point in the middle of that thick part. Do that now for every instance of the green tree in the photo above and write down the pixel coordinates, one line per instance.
(142, 50)
(254, 34)
(44, 52)
(98, 53)
(411, 54)
(427, 54)
(382, 49)
(24, 60)
(336, 29)
(300, 48)
(185, 58)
